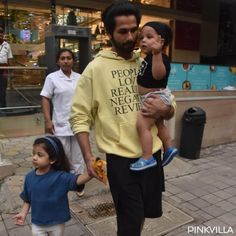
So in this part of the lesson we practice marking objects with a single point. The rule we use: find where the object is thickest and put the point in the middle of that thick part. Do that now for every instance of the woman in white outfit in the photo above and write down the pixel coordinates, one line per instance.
(56, 95)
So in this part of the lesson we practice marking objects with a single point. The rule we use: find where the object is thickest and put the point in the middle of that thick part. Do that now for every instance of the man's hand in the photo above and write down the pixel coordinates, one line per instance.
(90, 163)
(154, 107)
(99, 167)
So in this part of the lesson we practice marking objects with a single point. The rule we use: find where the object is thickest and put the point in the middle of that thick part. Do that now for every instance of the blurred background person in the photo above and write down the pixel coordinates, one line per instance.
(5, 55)
(56, 95)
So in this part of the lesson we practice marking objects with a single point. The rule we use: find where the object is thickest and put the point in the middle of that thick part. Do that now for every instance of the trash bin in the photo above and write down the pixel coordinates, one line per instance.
(194, 120)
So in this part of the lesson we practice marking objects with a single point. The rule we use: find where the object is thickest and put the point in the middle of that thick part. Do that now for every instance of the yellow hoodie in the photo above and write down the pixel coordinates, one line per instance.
(107, 97)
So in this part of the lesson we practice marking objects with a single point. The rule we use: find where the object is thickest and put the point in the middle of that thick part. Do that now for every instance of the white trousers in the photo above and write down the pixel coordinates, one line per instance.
(52, 230)
(73, 152)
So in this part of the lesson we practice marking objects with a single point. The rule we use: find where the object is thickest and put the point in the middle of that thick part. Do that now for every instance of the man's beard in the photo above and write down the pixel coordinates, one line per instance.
(126, 47)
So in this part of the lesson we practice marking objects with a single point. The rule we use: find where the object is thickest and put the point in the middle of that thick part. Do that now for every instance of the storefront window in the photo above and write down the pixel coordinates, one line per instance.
(159, 3)
(25, 31)
(83, 18)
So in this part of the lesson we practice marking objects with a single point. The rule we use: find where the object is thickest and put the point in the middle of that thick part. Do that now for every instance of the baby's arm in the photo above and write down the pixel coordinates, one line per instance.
(20, 217)
(158, 67)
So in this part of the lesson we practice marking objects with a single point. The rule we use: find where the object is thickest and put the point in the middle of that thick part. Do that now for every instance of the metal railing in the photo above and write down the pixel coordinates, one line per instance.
(23, 90)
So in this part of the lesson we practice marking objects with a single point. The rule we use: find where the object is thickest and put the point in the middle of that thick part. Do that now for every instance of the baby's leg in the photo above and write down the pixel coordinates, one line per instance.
(163, 133)
(144, 125)
(169, 150)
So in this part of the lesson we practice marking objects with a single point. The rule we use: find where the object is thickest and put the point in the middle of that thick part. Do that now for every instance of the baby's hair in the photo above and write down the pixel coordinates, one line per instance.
(162, 29)
(53, 146)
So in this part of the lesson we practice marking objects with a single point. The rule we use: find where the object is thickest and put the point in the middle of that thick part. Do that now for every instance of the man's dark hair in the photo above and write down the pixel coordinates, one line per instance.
(119, 8)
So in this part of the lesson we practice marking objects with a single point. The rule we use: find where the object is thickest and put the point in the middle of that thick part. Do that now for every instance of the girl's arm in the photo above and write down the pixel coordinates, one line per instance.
(20, 217)
(82, 179)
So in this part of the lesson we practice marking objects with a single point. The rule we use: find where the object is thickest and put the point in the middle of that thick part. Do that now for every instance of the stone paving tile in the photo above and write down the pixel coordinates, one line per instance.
(200, 214)
(75, 230)
(229, 181)
(182, 233)
(231, 190)
(200, 203)
(176, 199)
(233, 212)
(228, 218)
(197, 192)
(232, 199)
(211, 198)
(3, 231)
(174, 190)
(220, 185)
(183, 230)
(167, 194)
(23, 230)
(187, 205)
(210, 188)
(223, 194)
(214, 210)
(185, 196)
(172, 202)
(216, 222)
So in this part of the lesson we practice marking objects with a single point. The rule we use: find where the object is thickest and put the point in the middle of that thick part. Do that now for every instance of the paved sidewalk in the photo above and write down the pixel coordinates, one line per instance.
(204, 188)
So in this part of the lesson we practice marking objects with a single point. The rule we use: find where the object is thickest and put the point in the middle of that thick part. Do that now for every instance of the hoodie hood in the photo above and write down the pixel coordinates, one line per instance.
(114, 56)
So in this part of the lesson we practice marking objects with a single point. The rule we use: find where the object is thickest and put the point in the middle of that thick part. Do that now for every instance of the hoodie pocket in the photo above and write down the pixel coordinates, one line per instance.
(110, 131)
(129, 139)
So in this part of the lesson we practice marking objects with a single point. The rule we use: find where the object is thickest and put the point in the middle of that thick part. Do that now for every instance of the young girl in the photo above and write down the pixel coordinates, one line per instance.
(46, 188)
(153, 78)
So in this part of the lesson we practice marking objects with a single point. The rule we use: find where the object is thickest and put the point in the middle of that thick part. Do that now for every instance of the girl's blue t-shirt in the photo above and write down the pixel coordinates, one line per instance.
(47, 195)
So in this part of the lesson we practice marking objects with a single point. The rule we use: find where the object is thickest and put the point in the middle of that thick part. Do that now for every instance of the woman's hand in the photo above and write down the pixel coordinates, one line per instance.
(49, 127)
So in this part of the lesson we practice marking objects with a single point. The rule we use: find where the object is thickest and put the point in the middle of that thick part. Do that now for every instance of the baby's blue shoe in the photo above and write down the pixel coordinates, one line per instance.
(142, 164)
(169, 155)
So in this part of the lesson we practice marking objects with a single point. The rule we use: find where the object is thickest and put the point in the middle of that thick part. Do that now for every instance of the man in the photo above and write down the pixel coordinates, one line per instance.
(107, 97)
(5, 55)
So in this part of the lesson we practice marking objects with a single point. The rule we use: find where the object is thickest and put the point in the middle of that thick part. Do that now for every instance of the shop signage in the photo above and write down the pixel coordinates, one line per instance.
(201, 77)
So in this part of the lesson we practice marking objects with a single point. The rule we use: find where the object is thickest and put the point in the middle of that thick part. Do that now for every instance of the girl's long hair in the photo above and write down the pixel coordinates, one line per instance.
(54, 148)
